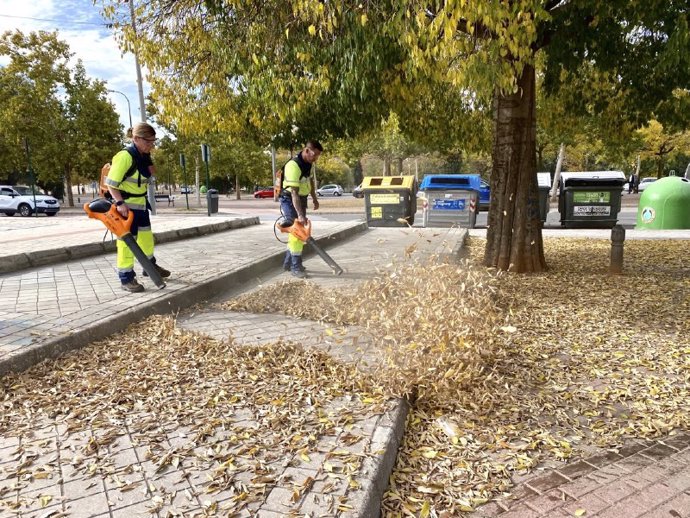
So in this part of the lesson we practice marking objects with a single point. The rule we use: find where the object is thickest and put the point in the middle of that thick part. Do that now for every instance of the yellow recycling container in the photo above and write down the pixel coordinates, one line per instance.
(390, 201)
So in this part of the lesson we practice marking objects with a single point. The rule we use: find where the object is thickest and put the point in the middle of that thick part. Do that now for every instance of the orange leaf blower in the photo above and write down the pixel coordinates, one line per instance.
(106, 211)
(303, 233)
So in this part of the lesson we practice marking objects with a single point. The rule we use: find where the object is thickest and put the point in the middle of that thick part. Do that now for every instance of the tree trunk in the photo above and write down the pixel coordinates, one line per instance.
(68, 187)
(358, 172)
(514, 240)
(557, 174)
(540, 158)
(399, 166)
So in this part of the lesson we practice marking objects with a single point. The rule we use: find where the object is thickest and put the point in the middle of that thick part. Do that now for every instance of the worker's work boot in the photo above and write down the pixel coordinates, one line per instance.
(297, 268)
(161, 271)
(133, 286)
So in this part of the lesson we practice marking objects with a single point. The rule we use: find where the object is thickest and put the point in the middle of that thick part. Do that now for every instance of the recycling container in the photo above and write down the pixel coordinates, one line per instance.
(544, 185)
(390, 201)
(590, 199)
(212, 200)
(450, 199)
(665, 204)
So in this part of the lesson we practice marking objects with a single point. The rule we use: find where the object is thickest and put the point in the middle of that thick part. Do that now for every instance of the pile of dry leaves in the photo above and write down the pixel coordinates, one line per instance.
(585, 359)
(436, 324)
(223, 414)
(504, 371)
(513, 370)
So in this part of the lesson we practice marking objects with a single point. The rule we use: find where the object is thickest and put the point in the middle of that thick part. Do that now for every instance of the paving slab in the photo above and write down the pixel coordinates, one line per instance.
(62, 305)
(81, 296)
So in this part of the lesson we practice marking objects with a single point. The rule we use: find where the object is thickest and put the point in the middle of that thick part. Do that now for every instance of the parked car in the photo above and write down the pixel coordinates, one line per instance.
(330, 189)
(20, 198)
(644, 183)
(187, 189)
(357, 192)
(264, 192)
(484, 196)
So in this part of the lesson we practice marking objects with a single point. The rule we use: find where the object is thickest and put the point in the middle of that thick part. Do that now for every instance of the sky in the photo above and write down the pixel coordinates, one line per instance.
(80, 24)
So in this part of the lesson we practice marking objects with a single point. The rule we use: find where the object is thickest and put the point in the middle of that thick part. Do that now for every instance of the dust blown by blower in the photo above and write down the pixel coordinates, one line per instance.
(106, 211)
(303, 233)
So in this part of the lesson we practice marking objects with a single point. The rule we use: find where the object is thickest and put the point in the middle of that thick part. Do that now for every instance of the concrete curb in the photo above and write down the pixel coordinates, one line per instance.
(389, 431)
(386, 439)
(459, 251)
(165, 304)
(23, 261)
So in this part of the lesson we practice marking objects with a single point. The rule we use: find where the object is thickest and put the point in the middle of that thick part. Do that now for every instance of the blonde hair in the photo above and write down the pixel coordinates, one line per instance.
(142, 130)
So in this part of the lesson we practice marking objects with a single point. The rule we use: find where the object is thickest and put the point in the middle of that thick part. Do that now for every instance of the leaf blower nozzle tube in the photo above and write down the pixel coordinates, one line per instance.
(303, 233)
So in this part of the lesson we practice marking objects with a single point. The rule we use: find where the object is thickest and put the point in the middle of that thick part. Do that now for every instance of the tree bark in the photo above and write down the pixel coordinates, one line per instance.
(514, 240)
(68, 187)
(358, 172)
(557, 174)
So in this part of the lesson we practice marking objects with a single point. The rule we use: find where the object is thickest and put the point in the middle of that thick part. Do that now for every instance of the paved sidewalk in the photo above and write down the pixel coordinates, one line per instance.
(51, 309)
(46, 311)
(32, 242)
(644, 478)
(56, 308)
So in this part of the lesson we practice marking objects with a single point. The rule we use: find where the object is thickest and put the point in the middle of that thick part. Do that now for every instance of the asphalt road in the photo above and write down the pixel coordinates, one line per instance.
(341, 208)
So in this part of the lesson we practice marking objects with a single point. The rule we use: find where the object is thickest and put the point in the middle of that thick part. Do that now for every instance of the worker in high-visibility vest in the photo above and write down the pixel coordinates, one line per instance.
(297, 185)
(127, 182)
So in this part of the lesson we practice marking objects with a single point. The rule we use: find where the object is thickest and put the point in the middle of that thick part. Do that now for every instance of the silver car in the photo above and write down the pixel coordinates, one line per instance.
(330, 189)
(644, 183)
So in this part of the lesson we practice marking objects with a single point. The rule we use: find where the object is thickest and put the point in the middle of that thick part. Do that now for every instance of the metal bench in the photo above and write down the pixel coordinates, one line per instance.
(165, 197)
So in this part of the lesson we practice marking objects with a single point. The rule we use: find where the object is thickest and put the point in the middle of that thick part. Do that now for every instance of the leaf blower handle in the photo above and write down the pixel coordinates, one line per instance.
(106, 212)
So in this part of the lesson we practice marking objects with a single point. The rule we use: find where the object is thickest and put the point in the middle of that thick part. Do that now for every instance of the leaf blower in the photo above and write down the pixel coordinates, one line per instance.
(106, 211)
(303, 233)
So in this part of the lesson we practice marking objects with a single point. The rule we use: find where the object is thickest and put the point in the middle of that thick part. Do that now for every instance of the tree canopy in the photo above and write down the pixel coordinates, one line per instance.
(70, 126)
(336, 69)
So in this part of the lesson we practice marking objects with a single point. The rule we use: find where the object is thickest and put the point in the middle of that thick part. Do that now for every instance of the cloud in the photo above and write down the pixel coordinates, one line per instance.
(79, 23)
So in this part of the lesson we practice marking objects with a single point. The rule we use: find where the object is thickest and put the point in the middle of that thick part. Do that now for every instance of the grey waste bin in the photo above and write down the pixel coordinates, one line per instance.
(590, 199)
(450, 199)
(212, 200)
(544, 184)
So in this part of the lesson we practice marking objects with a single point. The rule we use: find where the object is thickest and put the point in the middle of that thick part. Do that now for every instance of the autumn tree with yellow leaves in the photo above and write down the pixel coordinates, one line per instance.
(282, 71)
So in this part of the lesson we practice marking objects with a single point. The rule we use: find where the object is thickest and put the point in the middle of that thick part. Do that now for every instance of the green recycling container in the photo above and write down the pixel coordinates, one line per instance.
(665, 204)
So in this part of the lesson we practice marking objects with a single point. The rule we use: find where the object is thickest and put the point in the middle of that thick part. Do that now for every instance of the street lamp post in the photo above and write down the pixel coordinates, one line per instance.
(140, 84)
(129, 107)
(142, 104)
